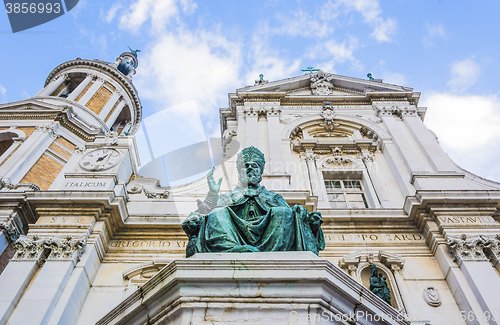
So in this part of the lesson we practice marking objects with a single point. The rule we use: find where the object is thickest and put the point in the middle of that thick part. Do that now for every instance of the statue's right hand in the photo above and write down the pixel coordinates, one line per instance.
(212, 185)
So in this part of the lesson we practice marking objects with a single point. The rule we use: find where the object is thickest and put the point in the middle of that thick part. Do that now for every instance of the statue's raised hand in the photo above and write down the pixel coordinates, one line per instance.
(212, 185)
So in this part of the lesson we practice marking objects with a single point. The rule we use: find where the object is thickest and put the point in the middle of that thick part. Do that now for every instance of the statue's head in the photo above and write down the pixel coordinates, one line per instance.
(250, 164)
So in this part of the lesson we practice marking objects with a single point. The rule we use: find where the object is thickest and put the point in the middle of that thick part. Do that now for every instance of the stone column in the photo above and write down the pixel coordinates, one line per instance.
(110, 104)
(11, 149)
(305, 172)
(403, 290)
(53, 85)
(251, 127)
(483, 280)
(91, 91)
(18, 274)
(78, 90)
(277, 161)
(121, 103)
(29, 152)
(316, 185)
(42, 296)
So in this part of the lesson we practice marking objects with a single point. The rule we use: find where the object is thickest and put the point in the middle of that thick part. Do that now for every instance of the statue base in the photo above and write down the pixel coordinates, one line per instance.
(252, 288)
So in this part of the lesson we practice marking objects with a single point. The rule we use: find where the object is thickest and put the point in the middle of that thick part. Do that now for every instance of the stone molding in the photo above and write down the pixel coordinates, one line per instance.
(41, 249)
(464, 248)
(258, 278)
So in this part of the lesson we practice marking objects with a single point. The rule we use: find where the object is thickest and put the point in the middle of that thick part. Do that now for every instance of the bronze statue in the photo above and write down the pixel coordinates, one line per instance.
(250, 218)
(378, 285)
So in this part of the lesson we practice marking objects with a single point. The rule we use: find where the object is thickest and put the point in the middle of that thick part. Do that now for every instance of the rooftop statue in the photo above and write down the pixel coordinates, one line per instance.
(250, 218)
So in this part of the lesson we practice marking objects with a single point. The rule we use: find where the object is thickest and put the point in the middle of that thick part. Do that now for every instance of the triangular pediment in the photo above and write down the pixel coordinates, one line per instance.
(322, 84)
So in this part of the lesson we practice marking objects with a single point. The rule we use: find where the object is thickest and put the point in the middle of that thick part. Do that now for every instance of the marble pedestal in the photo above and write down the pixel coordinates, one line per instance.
(252, 288)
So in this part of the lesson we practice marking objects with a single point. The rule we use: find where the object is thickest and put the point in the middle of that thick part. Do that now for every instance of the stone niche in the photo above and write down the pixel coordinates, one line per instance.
(252, 288)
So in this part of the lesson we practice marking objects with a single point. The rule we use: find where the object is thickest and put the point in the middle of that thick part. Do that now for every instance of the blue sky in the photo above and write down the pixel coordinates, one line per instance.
(201, 50)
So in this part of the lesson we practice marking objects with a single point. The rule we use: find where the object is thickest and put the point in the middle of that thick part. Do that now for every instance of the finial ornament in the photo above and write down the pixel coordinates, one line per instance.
(134, 52)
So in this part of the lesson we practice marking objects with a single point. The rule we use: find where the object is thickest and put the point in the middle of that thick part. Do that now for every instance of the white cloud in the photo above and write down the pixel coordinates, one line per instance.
(464, 74)
(301, 23)
(433, 32)
(158, 12)
(3, 91)
(266, 59)
(371, 12)
(98, 41)
(110, 15)
(335, 53)
(467, 129)
(394, 78)
(182, 66)
(463, 123)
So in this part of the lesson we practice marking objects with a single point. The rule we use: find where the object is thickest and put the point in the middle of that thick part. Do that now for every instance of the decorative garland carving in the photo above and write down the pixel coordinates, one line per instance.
(338, 162)
(328, 116)
(149, 186)
(153, 195)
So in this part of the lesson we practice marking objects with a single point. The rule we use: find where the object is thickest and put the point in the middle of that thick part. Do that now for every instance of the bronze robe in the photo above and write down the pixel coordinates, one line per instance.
(257, 220)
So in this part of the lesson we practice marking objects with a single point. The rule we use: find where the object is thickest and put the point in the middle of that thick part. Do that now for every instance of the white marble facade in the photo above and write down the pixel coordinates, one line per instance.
(83, 243)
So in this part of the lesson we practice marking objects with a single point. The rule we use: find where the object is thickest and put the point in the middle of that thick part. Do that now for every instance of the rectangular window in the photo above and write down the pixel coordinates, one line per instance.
(346, 194)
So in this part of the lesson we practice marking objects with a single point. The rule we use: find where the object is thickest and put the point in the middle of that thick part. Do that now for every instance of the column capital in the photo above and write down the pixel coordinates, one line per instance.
(492, 248)
(397, 108)
(40, 249)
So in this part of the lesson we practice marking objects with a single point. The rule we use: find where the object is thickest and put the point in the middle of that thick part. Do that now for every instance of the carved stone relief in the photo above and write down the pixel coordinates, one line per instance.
(321, 84)
(50, 247)
(465, 249)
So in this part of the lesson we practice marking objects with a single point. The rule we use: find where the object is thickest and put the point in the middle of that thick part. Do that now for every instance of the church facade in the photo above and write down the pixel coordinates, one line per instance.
(86, 240)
